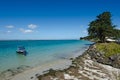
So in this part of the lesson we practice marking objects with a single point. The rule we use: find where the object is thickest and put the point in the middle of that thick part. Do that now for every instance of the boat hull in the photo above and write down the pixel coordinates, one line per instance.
(23, 53)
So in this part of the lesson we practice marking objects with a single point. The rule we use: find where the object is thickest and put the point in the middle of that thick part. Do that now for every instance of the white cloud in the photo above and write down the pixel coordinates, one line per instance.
(32, 26)
(9, 31)
(26, 30)
(10, 26)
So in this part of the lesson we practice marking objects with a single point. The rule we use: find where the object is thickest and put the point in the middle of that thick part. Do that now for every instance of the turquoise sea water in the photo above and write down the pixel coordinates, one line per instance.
(39, 51)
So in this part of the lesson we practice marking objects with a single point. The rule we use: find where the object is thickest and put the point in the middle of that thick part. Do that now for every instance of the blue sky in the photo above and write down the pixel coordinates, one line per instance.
(52, 19)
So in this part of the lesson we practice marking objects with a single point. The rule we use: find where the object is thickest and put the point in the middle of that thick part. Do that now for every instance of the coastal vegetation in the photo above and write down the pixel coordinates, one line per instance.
(102, 27)
(100, 30)
(108, 48)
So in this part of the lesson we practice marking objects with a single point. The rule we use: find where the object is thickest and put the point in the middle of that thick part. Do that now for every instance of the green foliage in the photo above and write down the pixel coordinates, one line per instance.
(116, 33)
(108, 48)
(91, 38)
(101, 27)
(86, 38)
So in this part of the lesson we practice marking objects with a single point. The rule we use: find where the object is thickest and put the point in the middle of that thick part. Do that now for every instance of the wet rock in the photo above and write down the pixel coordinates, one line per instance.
(46, 78)
(36, 75)
(31, 77)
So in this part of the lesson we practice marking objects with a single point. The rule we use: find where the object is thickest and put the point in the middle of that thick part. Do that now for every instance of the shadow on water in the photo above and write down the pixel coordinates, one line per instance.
(24, 54)
(89, 44)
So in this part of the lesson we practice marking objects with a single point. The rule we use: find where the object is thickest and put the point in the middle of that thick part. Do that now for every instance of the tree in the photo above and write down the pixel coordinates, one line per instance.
(101, 27)
(116, 33)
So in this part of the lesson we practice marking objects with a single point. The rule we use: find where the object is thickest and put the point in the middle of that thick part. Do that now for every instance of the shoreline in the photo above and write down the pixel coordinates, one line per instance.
(37, 54)
(27, 72)
(39, 70)
(82, 67)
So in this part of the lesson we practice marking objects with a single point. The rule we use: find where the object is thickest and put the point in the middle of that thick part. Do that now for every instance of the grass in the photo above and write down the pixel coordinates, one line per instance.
(108, 48)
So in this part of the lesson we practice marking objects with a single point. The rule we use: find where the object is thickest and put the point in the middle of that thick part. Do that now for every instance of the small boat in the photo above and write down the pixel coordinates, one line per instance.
(21, 50)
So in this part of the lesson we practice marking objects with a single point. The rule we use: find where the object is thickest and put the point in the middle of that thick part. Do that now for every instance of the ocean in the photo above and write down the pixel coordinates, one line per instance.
(39, 52)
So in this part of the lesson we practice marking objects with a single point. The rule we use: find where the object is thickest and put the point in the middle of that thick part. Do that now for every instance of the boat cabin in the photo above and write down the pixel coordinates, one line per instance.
(21, 50)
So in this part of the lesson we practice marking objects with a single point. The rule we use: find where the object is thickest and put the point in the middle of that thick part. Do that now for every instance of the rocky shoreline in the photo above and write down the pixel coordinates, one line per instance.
(98, 56)
(92, 65)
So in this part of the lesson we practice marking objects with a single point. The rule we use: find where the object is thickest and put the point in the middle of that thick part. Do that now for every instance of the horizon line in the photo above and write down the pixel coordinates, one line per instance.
(36, 39)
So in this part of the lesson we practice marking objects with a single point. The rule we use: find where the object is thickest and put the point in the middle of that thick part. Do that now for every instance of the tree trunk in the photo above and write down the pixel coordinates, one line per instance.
(102, 39)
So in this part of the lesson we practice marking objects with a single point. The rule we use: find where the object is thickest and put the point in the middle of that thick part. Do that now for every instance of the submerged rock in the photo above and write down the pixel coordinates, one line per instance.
(8, 74)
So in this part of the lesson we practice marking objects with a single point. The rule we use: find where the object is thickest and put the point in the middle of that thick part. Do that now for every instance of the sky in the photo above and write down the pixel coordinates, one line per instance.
(52, 19)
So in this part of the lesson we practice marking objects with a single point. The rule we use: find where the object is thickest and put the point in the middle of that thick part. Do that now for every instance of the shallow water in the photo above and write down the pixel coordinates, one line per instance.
(39, 52)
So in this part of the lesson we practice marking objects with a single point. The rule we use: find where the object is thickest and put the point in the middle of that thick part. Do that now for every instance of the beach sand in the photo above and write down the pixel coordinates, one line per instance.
(32, 73)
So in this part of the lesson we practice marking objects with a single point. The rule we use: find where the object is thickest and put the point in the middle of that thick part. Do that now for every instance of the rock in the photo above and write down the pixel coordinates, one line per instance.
(99, 56)
(46, 78)
(36, 75)
(59, 75)
(31, 77)
(88, 67)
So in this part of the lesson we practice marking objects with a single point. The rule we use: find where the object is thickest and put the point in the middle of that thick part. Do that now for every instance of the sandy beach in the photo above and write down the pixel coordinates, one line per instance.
(27, 72)
(33, 72)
